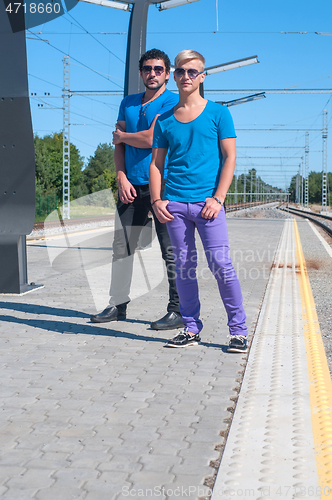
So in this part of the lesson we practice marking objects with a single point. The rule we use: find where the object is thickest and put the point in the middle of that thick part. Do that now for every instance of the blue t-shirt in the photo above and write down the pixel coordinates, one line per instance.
(194, 154)
(138, 118)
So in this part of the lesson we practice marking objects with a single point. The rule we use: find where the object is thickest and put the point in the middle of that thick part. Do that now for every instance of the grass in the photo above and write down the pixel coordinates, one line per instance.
(78, 212)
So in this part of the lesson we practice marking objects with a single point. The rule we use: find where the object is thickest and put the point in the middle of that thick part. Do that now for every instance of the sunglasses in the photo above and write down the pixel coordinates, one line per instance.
(192, 73)
(157, 69)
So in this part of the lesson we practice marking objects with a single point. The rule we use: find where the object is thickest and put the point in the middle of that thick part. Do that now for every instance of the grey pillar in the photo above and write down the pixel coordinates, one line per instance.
(17, 159)
(136, 46)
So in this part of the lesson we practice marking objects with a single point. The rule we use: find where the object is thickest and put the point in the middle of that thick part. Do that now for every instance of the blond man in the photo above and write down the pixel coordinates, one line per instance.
(199, 137)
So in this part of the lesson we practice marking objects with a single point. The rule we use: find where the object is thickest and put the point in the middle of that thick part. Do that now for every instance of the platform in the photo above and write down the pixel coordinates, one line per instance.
(107, 412)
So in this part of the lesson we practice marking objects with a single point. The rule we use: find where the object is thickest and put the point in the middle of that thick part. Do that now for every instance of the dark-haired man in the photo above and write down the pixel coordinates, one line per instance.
(133, 142)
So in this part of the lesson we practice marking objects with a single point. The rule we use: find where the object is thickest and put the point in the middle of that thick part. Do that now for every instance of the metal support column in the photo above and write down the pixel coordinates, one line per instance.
(235, 188)
(136, 46)
(17, 158)
(251, 186)
(66, 138)
(302, 179)
(324, 166)
(306, 183)
(297, 189)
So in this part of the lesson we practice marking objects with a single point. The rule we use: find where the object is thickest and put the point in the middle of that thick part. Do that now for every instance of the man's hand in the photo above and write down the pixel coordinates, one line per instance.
(118, 134)
(211, 209)
(162, 214)
(127, 192)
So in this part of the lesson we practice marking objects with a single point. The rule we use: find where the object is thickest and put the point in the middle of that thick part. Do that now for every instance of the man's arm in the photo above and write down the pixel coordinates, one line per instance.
(156, 176)
(127, 192)
(142, 139)
(228, 151)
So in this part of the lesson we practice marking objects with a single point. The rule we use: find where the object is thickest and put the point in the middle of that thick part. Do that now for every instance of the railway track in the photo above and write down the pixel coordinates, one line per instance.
(242, 206)
(76, 222)
(315, 218)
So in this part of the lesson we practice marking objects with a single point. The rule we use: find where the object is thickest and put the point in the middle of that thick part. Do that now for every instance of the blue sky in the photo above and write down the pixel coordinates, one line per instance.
(282, 35)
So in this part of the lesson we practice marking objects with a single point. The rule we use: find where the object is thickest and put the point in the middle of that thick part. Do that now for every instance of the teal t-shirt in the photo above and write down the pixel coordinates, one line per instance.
(194, 155)
(138, 118)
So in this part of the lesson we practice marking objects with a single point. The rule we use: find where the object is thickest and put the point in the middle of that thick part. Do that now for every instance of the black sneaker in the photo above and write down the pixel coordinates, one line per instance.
(184, 339)
(238, 343)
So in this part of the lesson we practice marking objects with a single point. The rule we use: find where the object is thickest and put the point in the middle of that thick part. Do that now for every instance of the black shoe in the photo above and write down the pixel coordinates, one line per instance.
(170, 321)
(110, 313)
(238, 343)
(184, 339)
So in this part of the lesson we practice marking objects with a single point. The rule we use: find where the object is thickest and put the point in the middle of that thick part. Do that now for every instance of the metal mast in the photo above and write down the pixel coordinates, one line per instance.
(306, 184)
(324, 169)
(66, 138)
(235, 188)
(302, 178)
(297, 190)
(136, 46)
(251, 186)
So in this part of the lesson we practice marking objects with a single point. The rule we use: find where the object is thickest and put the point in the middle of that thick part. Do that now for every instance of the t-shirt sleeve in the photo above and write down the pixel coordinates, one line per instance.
(159, 141)
(121, 115)
(169, 103)
(225, 124)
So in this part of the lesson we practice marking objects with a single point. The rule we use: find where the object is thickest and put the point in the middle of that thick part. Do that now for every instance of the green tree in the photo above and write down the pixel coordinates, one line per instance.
(314, 187)
(49, 167)
(101, 162)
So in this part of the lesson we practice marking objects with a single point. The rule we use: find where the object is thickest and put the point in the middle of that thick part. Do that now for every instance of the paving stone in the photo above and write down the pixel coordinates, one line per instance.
(205, 452)
(60, 491)
(140, 432)
(176, 432)
(88, 458)
(26, 416)
(168, 446)
(109, 481)
(111, 430)
(12, 457)
(34, 441)
(63, 445)
(184, 420)
(74, 477)
(105, 495)
(79, 431)
(149, 480)
(18, 494)
(47, 463)
(121, 462)
(38, 478)
(187, 486)
(159, 463)
(7, 471)
(88, 420)
(193, 466)
(3, 490)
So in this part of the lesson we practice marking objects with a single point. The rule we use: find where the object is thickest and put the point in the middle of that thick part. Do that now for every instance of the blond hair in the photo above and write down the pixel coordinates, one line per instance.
(185, 55)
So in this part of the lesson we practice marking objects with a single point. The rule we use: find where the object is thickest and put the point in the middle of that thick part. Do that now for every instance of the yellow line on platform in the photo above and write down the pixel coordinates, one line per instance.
(319, 377)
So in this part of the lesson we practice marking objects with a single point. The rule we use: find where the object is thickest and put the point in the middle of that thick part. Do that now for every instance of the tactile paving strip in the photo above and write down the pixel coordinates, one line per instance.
(270, 451)
(319, 378)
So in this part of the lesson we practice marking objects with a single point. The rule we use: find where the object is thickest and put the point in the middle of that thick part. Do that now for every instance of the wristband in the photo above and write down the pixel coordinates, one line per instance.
(220, 203)
(158, 199)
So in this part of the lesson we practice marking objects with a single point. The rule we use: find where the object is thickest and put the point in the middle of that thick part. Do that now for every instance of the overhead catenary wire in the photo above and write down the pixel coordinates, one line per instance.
(217, 32)
(60, 96)
(96, 39)
(84, 65)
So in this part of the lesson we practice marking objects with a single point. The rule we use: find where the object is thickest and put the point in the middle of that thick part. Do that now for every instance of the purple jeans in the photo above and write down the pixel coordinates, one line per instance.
(214, 236)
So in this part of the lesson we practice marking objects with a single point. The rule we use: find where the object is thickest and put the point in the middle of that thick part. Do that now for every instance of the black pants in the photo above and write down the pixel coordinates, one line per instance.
(129, 221)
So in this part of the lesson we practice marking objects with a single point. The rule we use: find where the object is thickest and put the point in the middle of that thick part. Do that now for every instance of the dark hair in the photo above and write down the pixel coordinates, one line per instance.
(155, 54)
